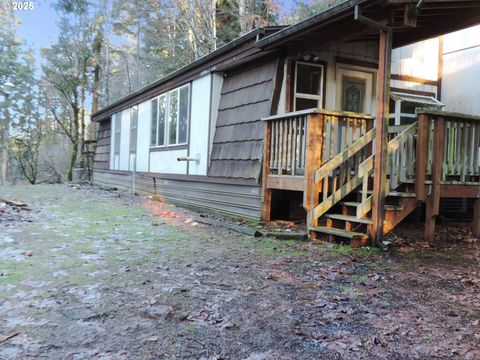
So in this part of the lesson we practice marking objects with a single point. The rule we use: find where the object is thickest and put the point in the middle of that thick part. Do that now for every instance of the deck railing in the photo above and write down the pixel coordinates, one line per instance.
(448, 149)
(287, 137)
(287, 145)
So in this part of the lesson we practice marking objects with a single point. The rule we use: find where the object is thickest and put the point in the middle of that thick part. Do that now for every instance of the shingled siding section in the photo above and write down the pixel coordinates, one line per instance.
(238, 142)
(102, 152)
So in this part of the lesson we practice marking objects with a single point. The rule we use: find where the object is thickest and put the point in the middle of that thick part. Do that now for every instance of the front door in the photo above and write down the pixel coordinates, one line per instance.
(354, 90)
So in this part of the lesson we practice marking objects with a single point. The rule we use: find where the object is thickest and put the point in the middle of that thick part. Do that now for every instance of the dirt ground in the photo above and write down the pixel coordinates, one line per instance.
(92, 274)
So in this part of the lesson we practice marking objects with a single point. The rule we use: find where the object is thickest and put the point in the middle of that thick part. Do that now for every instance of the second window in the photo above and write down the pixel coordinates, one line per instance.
(170, 114)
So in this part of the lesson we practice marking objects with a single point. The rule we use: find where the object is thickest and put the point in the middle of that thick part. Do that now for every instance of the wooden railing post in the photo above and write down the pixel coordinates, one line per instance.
(422, 154)
(267, 193)
(476, 217)
(380, 165)
(314, 132)
(433, 202)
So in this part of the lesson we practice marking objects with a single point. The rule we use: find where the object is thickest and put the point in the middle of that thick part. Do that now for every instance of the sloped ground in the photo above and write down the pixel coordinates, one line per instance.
(91, 274)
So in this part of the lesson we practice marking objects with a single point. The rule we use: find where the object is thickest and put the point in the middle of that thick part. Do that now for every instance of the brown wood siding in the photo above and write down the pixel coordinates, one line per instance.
(102, 151)
(235, 197)
(246, 97)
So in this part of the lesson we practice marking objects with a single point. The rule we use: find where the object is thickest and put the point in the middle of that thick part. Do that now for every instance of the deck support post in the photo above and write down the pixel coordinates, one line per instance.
(314, 131)
(476, 217)
(380, 163)
(422, 152)
(267, 193)
(433, 201)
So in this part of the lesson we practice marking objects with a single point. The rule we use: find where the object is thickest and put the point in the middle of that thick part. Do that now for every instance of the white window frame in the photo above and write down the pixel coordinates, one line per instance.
(296, 94)
(166, 130)
(399, 98)
(133, 109)
(117, 130)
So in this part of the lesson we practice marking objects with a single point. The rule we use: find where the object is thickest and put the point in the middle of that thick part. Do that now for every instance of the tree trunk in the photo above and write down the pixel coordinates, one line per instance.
(82, 114)
(5, 136)
(73, 160)
(242, 16)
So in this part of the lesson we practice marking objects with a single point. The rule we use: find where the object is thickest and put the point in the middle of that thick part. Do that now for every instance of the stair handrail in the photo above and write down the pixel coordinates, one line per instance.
(366, 168)
(339, 159)
(335, 163)
(398, 171)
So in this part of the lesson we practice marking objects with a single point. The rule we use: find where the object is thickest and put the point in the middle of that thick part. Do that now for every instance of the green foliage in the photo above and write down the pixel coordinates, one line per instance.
(303, 9)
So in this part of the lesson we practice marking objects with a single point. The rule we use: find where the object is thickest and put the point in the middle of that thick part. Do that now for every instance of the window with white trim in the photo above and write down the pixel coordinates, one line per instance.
(170, 116)
(118, 127)
(403, 107)
(308, 87)
(133, 128)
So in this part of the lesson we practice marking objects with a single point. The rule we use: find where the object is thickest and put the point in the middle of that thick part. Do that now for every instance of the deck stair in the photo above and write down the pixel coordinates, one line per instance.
(346, 183)
(329, 157)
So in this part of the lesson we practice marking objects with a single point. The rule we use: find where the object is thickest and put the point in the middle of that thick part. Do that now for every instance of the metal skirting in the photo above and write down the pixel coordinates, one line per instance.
(229, 199)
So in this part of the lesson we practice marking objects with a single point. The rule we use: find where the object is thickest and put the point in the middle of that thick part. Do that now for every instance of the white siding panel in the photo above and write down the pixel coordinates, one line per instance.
(165, 162)
(462, 39)
(143, 144)
(408, 85)
(131, 162)
(418, 60)
(281, 109)
(199, 121)
(125, 140)
(461, 81)
(113, 165)
(217, 83)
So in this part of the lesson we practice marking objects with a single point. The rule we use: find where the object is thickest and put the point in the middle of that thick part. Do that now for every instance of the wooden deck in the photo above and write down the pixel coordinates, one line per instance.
(330, 157)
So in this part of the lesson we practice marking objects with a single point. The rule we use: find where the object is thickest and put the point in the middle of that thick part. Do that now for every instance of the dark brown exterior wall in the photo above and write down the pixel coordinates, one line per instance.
(102, 153)
(238, 141)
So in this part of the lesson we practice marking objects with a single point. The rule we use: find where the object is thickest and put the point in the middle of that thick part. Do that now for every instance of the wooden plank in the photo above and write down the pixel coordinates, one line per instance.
(309, 165)
(336, 197)
(318, 156)
(476, 217)
(476, 147)
(460, 191)
(422, 150)
(450, 115)
(340, 158)
(267, 193)
(294, 183)
(340, 114)
(433, 202)
(383, 100)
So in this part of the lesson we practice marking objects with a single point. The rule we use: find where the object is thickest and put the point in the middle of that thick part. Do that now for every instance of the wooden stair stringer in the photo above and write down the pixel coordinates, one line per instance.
(395, 217)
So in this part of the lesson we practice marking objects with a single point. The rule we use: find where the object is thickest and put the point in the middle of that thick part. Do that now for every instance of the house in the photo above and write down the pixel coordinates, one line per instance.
(295, 121)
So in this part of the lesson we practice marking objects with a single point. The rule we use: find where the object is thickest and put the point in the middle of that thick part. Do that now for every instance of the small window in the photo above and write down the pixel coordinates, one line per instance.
(173, 117)
(308, 86)
(170, 115)
(162, 113)
(133, 128)
(153, 133)
(118, 127)
(404, 107)
(183, 115)
(353, 94)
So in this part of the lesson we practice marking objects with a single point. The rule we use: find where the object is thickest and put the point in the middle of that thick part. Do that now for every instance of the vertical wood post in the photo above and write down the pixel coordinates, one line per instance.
(433, 202)
(422, 155)
(476, 217)
(314, 130)
(380, 164)
(440, 68)
(267, 193)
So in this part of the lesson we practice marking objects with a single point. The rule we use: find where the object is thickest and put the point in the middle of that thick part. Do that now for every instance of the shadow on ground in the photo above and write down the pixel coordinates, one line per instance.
(94, 274)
